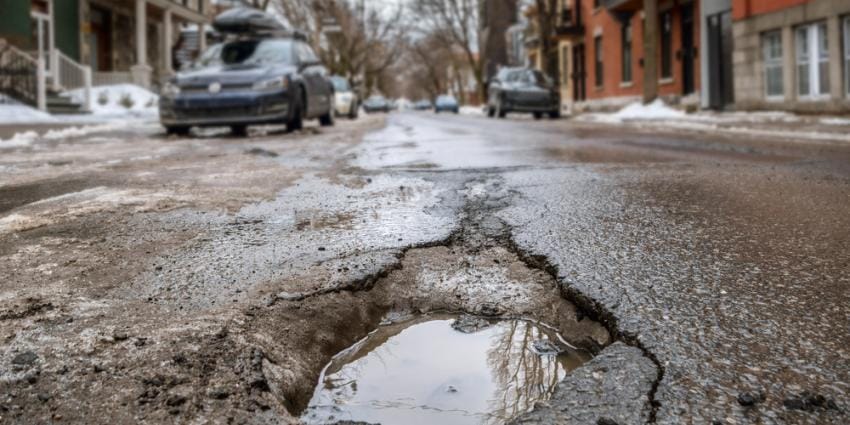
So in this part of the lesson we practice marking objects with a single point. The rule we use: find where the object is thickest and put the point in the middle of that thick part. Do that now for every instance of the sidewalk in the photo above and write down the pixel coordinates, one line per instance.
(775, 125)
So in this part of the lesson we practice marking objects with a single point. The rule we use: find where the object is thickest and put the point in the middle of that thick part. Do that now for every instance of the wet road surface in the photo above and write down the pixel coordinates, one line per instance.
(212, 278)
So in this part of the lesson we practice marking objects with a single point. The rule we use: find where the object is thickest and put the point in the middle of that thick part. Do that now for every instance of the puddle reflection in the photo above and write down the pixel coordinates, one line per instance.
(425, 372)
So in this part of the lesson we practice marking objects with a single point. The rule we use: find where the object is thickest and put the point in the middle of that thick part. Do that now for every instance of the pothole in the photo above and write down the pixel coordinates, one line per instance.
(443, 368)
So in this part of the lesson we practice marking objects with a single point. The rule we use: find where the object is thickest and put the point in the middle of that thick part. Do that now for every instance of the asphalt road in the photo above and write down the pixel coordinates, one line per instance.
(210, 278)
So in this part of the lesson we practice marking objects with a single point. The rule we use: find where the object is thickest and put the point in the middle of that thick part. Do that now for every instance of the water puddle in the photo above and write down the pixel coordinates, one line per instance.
(443, 369)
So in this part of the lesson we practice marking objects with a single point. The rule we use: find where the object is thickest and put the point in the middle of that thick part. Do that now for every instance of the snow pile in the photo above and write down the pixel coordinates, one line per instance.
(472, 110)
(85, 130)
(19, 140)
(20, 114)
(120, 101)
(657, 110)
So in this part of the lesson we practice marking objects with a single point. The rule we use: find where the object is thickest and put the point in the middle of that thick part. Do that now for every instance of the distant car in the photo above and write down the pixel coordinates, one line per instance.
(376, 104)
(346, 102)
(422, 105)
(446, 104)
(266, 75)
(523, 90)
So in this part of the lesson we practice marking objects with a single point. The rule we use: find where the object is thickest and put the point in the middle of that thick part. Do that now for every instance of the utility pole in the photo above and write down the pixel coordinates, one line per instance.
(650, 50)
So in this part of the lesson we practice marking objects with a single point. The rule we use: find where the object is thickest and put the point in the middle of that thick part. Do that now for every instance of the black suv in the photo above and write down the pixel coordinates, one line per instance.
(264, 74)
(523, 90)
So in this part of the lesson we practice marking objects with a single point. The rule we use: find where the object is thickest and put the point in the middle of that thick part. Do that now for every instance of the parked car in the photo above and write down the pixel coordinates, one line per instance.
(345, 99)
(376, 104)
(422, 105)
(523, 90)
(268, 74)
(446, 103)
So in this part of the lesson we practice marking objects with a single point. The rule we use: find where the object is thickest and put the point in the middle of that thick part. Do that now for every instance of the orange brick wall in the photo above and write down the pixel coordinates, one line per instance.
(612, 54)
(742, 9)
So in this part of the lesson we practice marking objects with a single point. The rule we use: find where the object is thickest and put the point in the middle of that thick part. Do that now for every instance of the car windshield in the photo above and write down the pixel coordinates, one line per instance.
(445, 100)
(375, 99)
(211, 57)
(541, 79)
(249, 52)
(341, 84)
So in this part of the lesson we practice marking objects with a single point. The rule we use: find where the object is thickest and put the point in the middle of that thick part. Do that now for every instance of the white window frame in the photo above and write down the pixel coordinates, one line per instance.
(773, 63)
(813, 60)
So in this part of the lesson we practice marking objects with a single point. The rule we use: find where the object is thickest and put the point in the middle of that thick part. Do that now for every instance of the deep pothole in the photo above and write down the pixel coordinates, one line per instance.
(442, 368)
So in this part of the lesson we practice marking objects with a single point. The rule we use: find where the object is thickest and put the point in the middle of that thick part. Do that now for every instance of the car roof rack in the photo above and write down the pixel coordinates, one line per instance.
(246, 21)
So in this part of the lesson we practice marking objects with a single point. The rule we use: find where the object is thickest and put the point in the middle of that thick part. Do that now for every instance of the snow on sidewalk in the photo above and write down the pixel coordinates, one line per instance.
(120, 101)
(772, 124)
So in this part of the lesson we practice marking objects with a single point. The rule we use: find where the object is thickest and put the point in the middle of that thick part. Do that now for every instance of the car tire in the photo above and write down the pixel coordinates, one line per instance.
(538, 115)
(240, 130)
(179, 130)
(554, 115)
(296, 121)
(491, 112)
(327, 120)
(352, 113)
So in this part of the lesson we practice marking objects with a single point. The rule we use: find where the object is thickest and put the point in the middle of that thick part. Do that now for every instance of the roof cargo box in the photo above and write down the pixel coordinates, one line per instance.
(246, 20)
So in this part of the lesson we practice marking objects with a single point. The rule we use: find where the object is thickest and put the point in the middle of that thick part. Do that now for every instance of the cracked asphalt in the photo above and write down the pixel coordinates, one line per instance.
(209, 279)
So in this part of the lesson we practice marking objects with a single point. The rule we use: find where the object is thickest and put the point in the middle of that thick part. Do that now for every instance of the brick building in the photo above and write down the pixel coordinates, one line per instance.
(600, 52)
(614, 46)
(792, 55)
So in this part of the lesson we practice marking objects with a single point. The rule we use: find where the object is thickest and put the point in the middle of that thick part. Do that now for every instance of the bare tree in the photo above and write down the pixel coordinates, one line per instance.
(454, 23)
(366, 42)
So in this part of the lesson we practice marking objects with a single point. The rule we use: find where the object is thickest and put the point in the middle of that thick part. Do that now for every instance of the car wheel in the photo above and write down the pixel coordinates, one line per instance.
(555, 115)
(296, 122)
(352, 113)
(538, 115)
(177, 130)
(491, 112)
(327, 120)
(239, 130)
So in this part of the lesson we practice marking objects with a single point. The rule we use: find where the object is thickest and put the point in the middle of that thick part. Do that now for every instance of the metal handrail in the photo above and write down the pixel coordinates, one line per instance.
(22, 76)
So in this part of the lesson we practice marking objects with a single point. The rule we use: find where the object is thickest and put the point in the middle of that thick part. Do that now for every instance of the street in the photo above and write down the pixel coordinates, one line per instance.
(211, 278)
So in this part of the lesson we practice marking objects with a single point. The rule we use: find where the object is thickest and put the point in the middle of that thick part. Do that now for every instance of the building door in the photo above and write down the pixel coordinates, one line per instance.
(579, 74)
(100, 39)
(720, 89)
(688, 49)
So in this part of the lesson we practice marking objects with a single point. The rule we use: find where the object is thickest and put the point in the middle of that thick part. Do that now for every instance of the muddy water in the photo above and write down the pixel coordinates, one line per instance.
(423, 371)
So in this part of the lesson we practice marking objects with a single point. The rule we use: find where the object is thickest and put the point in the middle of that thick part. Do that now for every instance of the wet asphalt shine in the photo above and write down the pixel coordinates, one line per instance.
(413, 268)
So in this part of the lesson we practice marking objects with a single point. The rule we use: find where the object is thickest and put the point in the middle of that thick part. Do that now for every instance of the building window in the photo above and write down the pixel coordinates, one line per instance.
(597, 55)
(847, 55)
(772, 51)
(666, 45)
(812, 60)
(626, 37)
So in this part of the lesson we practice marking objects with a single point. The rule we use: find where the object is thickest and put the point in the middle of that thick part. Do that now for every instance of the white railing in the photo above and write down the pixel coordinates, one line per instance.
(110, 78)
(70, 75)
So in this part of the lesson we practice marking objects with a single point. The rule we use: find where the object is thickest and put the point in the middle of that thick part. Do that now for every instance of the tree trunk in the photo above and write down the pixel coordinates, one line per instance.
(650, 52)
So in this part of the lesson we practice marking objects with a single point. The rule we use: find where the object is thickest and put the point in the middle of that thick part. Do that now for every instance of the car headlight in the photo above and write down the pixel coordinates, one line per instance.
(170, 89)
(279, 83)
